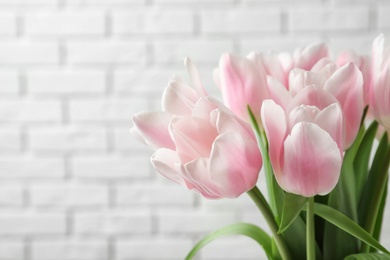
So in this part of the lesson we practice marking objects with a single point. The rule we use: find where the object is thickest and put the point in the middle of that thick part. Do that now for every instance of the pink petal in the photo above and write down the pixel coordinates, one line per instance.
(194, 77)
(227, 122)
(312, 161)
(381, 96)
(235, 163)
(164, 160)
(346, 84)
(278, 92)
(193, 137)
(310, 55)
(331, 120)
(300, 79)
(204, 107)
(274, 122)
(325, 67)
(312, 96)
(242, 84)
(153, 128)
(178, 98)
(197, 173)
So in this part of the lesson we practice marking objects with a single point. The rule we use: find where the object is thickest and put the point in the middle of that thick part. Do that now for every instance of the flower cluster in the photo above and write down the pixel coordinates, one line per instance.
(300, 113)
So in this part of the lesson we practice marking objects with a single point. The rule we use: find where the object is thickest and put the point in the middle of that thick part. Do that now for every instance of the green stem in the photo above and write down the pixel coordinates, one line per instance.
(264, 208)
(310, 235)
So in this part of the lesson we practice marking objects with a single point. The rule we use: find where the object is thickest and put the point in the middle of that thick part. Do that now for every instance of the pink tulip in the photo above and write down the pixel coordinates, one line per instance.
(305, 141)
(380, 88)
(344, 83)
(200, 143)
(242, 83)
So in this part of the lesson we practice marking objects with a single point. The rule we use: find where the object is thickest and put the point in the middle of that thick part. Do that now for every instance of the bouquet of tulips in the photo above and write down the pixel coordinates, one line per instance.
(317, 126)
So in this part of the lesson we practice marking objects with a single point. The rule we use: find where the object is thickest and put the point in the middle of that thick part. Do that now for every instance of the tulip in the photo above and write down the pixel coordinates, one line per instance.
(380, 88)
(344, 83)
(305, 58)
(305, 141)
(200, 143)
(242, 83)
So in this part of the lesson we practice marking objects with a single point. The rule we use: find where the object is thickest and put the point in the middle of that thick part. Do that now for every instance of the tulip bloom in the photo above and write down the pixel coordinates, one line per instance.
(200, 143)
(305, 141)
(242, 83)
(380, 88)
(344, 83)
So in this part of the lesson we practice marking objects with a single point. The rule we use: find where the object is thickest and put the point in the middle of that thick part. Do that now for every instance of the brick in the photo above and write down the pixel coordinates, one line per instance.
(11, 250)
(9, 82)
(29, 167)
(47, 3)
(361, 43)
(78, 81)
(69, 195)
(105, 2)
(106, 110)
(163, 248)
(28, 53)
(113, 223)
(111, 167)
(199, 50)
(383, 17)
(65, 23)
(327, 19)
(124, 141)
(8, 24)
(31, 223)
(22, 111)
(154, 195)
(75, 249)
(11, 195)
(240, 21)
(143, 80)
(65, 139)
(277, 44)
(179, 222)
(233, 248)
(153, 21)
(10, 140)
(107, 52)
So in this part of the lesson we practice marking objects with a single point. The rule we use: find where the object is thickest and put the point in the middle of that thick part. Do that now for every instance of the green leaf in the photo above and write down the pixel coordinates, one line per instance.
(368, 256)
(336, 243)
(362, 158)
(245, 229)
(292, 206)
(374, 189)
(379, 220)
(343, 222)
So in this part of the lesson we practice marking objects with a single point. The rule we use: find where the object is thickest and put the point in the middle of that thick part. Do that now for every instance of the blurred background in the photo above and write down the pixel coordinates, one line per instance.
(74, 185)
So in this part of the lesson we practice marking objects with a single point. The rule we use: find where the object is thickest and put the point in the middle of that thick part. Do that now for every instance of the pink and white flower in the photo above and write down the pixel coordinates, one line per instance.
(200, 143)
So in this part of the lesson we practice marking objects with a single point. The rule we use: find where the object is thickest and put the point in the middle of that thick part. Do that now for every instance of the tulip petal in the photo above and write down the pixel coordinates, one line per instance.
(278, 92)
(312, 161)
(197, 173)
(153, 128)
(326, 67)
(204, 107)
(312, 96)
(235, 163)
(331, 120)
(346, 84)
(308, 56)
(274, 122)
(194, 77)
(164, 160)
(193, 137)
(299, 79)
(242, 84)
(227, 122)
(179, 99)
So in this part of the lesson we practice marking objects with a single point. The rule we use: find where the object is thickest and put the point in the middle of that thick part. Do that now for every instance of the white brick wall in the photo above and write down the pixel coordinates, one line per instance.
(74, 184)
